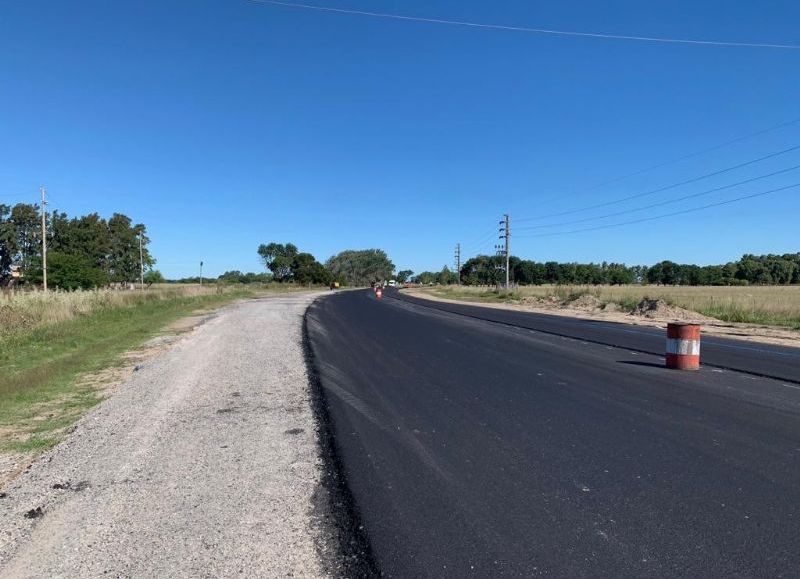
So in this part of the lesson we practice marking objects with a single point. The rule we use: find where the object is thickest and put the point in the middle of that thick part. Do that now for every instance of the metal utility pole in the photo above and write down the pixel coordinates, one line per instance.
(141, 263)
(201, 274)
(505, 233)
(458, 264)
(44, 240)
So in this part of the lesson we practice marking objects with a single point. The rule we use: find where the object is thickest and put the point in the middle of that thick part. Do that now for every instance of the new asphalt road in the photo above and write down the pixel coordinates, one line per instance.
(560, 448)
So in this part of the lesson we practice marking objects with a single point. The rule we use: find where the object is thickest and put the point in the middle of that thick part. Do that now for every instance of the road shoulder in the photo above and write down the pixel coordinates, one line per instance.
(204, 463)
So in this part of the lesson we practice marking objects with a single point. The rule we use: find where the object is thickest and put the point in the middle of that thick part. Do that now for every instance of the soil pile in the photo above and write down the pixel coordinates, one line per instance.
(586, 302)
(659, 309)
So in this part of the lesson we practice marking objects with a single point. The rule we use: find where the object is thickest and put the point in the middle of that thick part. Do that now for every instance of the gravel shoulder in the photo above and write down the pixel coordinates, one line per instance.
(745, 332)
(203, 464)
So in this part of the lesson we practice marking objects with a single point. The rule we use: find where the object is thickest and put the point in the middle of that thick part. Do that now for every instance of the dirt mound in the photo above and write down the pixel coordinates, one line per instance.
(586, 302)
(659, 309)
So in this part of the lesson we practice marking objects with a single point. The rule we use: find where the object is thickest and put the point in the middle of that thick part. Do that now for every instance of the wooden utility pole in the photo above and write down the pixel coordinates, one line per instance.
(44, 240)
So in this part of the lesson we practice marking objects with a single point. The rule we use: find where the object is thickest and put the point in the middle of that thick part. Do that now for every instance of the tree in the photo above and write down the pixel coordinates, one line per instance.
(426, 278)
(446, 277)
(72, 271)
(278, 258)
(88, 236)
(6, 243)
(153, 276)
(483, 270)
(236, 276)
(26, 227)
(360, 267)
(123, 258)
(403, 275)
(307, 270)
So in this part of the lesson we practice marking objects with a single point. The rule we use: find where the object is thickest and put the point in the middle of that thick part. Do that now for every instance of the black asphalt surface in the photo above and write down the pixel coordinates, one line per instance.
(479, 449)
(777, 362)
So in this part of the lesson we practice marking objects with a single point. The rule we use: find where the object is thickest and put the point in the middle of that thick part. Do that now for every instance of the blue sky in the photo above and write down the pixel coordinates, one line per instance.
(222, 124)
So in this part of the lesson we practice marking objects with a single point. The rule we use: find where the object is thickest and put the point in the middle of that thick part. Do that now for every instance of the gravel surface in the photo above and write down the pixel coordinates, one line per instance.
(204, 464)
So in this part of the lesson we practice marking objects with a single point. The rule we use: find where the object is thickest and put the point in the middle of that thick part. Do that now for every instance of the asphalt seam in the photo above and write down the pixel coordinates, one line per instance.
(408, 300)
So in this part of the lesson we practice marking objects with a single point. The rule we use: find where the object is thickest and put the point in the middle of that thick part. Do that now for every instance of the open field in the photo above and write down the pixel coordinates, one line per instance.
(768, 305)
(53, 345)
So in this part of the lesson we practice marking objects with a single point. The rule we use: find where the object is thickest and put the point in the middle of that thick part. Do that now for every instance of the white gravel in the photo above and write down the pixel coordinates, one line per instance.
(204, 464)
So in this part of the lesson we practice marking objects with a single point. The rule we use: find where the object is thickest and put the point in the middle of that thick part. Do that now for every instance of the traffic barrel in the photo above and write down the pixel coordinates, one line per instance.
(683, 346)
(378, 293)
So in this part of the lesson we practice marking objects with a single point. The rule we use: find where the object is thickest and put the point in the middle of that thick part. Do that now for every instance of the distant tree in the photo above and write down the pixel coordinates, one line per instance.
(446, 277)
(123, 259)
(153, 276)
(426, 278)
(278, 258)
(360, 267)
(403, 275)
(482, 270)
(236, 276)
(307, 270)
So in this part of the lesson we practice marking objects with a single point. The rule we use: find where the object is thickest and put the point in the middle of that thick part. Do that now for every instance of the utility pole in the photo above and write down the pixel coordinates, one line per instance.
(458, 264)
(141, 263)
(201, 274)
(44, 240)
(505, 233)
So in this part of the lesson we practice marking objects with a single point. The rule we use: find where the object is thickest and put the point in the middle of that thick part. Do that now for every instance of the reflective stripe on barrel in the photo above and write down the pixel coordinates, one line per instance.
(683, 346)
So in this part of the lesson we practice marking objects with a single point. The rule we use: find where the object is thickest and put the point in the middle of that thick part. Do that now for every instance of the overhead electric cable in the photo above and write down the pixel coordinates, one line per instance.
(549, 31)
(662, 203)
(665, 188)
(696, 153)
(665, 215)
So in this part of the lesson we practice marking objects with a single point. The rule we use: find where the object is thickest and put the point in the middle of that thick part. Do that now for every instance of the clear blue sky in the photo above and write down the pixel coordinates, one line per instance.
(222, 124)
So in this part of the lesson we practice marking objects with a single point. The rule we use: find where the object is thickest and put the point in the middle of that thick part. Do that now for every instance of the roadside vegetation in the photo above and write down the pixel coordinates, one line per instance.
(749, 270)
(50, 342)
(768, 305)
(350, 267)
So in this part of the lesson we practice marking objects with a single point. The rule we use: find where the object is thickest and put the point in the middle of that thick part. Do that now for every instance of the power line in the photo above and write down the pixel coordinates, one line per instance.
(17, 195)
(697, 153)
(665, 188)
(665, 215)
(661, 203)
(483, 240)
(528, 29)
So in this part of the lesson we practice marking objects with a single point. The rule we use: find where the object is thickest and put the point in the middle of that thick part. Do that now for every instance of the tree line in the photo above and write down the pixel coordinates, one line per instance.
(749, 270)
(82, 252)
(287, 263)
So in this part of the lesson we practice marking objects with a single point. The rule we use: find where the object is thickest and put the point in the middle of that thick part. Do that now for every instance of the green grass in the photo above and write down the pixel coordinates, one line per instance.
(41, 395)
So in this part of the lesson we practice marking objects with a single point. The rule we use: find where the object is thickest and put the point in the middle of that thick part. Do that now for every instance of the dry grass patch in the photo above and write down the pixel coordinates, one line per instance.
(768, 305)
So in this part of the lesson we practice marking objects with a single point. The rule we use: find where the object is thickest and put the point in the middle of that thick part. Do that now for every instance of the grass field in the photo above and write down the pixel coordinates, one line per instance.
(770, 305)
(49, 341)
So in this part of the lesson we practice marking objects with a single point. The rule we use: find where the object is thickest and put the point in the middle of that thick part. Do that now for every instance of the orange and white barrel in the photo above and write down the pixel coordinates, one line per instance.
(683, 346)
(378, 293)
